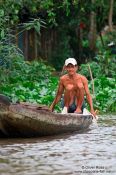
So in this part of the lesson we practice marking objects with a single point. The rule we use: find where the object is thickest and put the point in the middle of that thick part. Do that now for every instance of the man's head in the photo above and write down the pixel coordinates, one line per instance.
(71, 66)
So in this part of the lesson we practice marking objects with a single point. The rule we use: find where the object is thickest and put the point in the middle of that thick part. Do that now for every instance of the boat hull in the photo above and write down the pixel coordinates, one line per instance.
(30, 121)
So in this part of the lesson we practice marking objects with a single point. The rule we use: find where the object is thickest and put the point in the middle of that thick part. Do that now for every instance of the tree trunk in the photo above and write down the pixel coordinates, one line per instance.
(102, 41)
(92, 32)
(110, 15)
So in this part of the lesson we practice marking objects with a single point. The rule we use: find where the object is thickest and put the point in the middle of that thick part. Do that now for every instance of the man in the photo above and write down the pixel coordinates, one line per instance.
(74, 86)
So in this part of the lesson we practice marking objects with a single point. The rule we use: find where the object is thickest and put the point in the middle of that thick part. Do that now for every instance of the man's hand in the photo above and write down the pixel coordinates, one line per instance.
(93, 112)
(51, 108)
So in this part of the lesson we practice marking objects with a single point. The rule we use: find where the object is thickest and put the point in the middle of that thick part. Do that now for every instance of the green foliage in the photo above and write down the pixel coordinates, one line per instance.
(107, 63)
(25, 81)
(107, 37)
(104, 75)
(34, 24)
(33, 81)
(95, 67)
(105, 93)
(104, 64)
(10, 18)
(8, 53)
(61, 52)
(66, 15)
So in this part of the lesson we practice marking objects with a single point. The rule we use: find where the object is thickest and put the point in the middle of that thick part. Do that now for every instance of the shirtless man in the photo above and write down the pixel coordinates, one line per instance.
(74, 86)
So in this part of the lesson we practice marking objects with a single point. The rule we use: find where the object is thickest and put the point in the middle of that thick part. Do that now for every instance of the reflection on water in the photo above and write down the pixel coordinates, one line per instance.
(93, 152)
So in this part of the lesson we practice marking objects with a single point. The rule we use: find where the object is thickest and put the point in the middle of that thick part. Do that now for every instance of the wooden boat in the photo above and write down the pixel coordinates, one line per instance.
(29, 120)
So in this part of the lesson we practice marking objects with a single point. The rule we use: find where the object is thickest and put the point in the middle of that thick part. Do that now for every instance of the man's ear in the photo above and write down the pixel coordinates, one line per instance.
(64, 67)
(77, 67)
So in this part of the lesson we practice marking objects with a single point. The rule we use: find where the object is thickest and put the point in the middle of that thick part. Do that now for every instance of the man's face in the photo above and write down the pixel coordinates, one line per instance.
(71, 69)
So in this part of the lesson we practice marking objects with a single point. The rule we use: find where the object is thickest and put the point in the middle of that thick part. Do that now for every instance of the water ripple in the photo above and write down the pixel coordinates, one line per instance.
(92, 152)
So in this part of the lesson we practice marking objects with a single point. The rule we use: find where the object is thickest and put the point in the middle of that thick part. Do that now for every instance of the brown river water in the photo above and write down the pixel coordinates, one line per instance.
(92, 152)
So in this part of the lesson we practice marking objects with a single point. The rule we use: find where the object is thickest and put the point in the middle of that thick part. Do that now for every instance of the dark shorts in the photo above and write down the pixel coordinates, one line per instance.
(73, 106)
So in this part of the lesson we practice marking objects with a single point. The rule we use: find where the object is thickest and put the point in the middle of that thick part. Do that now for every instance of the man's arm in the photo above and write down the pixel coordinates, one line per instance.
(88, 95)
(58, 95)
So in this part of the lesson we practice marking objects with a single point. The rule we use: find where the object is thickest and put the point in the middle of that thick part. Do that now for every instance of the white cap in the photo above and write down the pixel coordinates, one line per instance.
(70, 61)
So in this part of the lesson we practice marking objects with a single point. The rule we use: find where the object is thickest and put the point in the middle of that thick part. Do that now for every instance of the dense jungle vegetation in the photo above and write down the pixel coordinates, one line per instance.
(82, 34)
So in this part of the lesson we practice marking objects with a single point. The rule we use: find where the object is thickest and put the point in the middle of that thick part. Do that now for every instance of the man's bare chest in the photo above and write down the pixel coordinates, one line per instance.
(73, 83)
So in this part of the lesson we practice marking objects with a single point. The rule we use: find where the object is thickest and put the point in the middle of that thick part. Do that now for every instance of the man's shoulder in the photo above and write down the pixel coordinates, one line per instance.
(63, 77)
(82, 77)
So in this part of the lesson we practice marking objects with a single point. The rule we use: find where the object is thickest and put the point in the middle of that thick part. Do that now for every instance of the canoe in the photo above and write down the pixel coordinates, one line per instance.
(30, 120)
